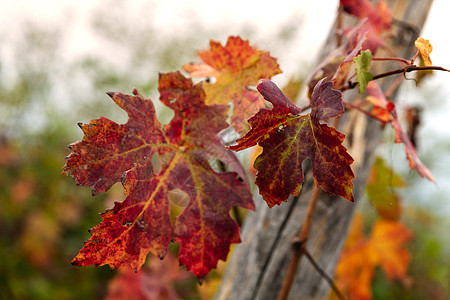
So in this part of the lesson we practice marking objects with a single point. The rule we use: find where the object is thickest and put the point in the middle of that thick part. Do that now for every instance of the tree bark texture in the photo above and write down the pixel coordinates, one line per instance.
(259, 263)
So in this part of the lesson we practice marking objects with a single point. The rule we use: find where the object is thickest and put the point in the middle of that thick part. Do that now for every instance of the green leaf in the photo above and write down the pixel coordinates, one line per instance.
(363, 76)
(380, 190)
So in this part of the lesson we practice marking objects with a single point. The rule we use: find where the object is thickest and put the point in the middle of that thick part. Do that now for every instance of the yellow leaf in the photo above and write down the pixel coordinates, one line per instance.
(425, 49)
(384, 248)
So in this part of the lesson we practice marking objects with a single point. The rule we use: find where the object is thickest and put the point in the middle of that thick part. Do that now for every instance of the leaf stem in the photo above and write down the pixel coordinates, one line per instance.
(359, 108)
(299, 244)
(402, 60)
(407, 69)
(339, 25)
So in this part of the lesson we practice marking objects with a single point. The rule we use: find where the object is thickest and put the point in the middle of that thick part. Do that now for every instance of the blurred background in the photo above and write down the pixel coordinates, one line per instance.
(57, 60)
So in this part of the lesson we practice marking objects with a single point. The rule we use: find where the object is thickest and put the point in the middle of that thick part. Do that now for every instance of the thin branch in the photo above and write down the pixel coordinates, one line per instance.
(339, 25)
(325, 276)
(299, 244)
(407, 69)
(415, 56)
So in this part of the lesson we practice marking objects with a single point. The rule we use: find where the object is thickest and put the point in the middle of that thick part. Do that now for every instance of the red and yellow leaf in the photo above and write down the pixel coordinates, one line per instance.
(288, 138)
(141, 223)
(236, 67)
(376, 98)
(385, 248)
(425, 49)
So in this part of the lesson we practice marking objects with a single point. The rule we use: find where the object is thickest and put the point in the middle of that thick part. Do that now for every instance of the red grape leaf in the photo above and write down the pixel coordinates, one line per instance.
(109, 149)
(288, 139)
(236, 66)
(141, 223)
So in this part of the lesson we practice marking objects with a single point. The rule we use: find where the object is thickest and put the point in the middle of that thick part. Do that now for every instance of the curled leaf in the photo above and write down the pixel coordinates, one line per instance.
(425, 49)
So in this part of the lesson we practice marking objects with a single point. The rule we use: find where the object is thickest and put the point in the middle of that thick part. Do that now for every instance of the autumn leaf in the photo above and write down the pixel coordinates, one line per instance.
(385, 112)
(288, 138)
(374, 105)
(237, 66)
(362, 67)
(141, 223)
(380, 190)
(384, 248)
(376, 98)
(425, 48)
(108, 149)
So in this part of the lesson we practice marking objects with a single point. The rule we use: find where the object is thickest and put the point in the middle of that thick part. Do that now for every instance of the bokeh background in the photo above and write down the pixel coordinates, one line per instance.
(57, 60)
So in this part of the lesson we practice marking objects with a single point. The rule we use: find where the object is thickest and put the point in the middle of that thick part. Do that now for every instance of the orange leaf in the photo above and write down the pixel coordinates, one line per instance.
(236, 67)
(387, 243)
(384, 248)
(425, 49)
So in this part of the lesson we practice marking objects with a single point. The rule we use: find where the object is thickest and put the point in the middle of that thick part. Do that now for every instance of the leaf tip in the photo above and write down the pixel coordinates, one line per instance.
(75, 262)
